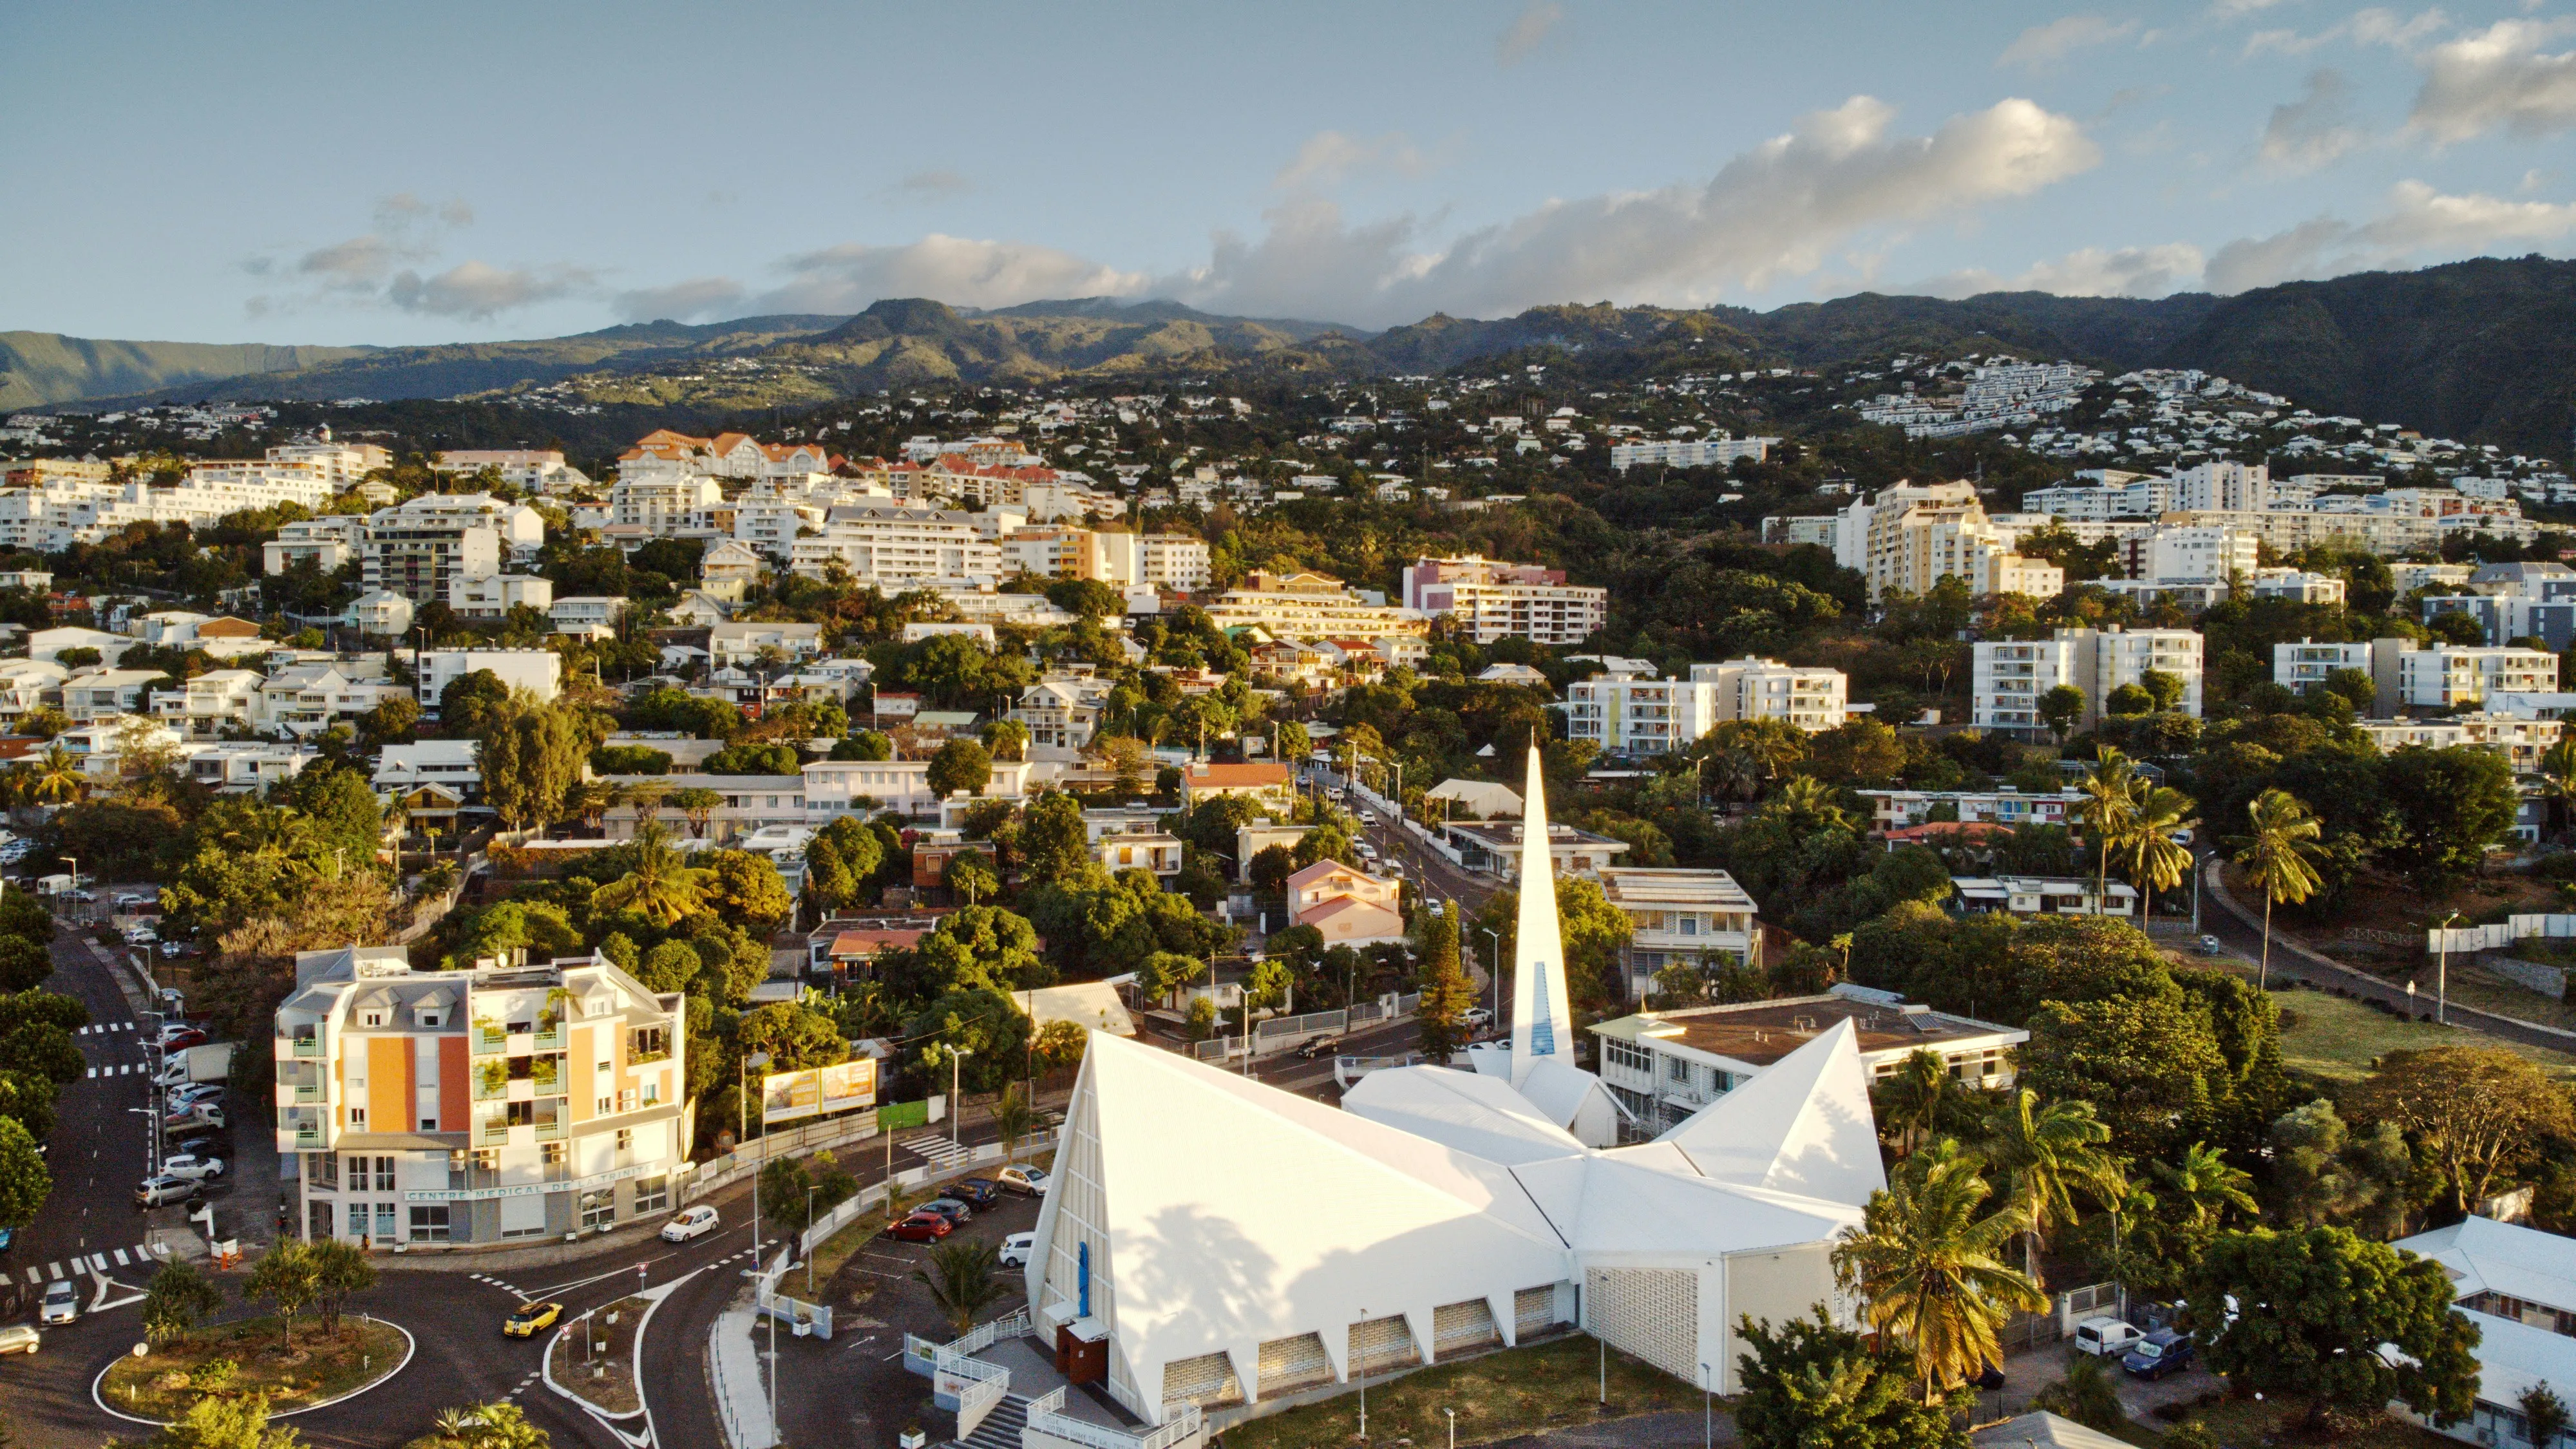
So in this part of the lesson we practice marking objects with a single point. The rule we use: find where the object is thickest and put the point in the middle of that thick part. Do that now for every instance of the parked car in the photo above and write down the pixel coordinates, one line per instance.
(2209, 947)
(1322, 1046)
(1016, 1250)
(141, 935)
(200, 1144)
(190, 1165)
(190, 1094)
(690, 1223)
(20, 1338)
(1394, 868)
(134, 898)
(162, 1191)
(61, 1303)
(2159, 1353)
(1475, 1018)
(978, 1192)
(2106, 1337)
(1026, 1181)
(950, 1208)
(531, 1318)
(179, 1038)
(921, 1228)
(201, 1114)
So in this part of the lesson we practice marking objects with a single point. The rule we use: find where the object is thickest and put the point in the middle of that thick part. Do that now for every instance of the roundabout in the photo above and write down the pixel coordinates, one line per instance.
(300, 1369)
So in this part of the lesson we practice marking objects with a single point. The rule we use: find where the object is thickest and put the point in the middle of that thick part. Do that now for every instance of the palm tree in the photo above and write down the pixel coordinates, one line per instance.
(663, 886)
(2110, 801)
(2085, 1395)
(1910, 1101)
(2157, 861)
(590, 799)
(2208, 1186)
(1924, 1265)
(2558, 777)
(699, 804)
(2276, 858)
(1013, 1118)
(647, 796)
(1732, 774)
(59, 779)
(1809, 805)
(962, 1281)
(2049, 1154)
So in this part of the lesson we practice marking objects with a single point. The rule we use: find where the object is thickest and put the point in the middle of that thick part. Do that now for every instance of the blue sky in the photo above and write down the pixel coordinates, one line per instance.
(367, 173)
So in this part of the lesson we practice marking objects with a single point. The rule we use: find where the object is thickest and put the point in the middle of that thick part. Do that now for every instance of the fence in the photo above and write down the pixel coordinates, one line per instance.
(958, 1380)
(1269, 1036)
(1047, 1416)
(1284, 1033)
(1347, 1070)
(2498, 936)
(804, 1137)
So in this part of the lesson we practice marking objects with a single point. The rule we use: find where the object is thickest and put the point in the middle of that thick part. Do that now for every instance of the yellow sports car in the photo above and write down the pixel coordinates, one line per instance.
(530, 1318)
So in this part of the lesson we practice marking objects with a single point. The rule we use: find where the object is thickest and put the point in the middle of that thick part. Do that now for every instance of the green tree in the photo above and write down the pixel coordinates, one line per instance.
(1013, 1118)
(467, 704)
(2060, 708)
(226, 1421)
(964, 1279)
(2448, 806)
(339, 1270)
(747, 890)
(1910, 1100)
(2472, 1113)
(2277, 856)
(2109, 811)
(2155, 859)
(2322, 1173)
(864, 745)
(2145, 1063)
(1446, 992)
(24, 963)
(2316, 1307)
(394, 721)
(530, 759)
(969, 876)
(1007, 739)
(2048, 1155)
(1926, 1262)
(700, 805)
(176, 1300)
(959, 765)
(2086, 1394)
(1053, 846)
(288, 1279)
(2544, 1415)
(1809, 1383)
(661, 885)
(25, 1181)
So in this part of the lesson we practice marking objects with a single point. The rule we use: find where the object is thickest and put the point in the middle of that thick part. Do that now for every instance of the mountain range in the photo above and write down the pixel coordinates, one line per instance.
(2481, 350)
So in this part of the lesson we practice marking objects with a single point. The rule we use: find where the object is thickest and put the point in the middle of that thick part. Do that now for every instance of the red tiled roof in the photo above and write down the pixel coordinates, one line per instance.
(1235, 777)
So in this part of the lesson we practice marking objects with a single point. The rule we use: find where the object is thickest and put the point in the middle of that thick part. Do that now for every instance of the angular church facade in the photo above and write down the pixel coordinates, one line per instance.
(1214, 1241)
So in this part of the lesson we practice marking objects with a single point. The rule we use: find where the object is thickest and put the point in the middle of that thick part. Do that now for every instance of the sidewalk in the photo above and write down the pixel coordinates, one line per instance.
(733, 1373)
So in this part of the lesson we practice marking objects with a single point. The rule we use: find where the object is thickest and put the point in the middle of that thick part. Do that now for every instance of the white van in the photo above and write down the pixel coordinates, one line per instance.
(2105, 1337)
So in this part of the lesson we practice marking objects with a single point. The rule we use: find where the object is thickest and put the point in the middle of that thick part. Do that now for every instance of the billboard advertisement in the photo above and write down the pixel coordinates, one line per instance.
(818, 1091)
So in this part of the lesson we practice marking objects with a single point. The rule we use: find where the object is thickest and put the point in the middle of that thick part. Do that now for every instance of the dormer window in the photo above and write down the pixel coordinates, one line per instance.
(433, 1018)
(371, 1017)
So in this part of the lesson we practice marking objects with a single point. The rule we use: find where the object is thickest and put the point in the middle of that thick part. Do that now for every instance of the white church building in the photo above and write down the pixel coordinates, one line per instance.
(1216, 1242)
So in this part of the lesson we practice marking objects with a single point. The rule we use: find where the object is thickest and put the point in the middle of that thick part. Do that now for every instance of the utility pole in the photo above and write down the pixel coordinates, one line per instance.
(2442, 980)
(742, 1106)
(956, 1116)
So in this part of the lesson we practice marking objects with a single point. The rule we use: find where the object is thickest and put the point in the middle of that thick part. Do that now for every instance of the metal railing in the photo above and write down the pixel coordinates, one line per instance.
(308, 1046)
(490, 1043)
(1047, 1416)
(487, 1090)
(549, 1130)
(494, 1133)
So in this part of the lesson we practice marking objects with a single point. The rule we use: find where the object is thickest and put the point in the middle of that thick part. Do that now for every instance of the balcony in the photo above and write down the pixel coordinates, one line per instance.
(490, 1042)
(495, 1132)
(550, 1129)
(491, 1087)
(550, 1036)
(308, 1046)
(308, 1092)
(308, 1134)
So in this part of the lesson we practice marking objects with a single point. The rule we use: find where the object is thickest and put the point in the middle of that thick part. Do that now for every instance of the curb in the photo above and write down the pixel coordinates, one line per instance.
(546, 1366)
(411, 1350)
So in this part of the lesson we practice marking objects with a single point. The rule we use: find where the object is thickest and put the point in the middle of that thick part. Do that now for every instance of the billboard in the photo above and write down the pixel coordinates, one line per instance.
(815, 1091)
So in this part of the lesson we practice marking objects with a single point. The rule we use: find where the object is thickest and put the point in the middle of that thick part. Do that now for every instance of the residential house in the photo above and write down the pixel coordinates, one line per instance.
(1680, 917)
(728, 571)
(1495, 846)
(48, 644)
(538, 671)
(740, 644)
(494, 595)
(1063, 710)
(382, 614)
(1349, 907)
(452, 764)
(101, 693)
(2003, 805)
(2033, 895)
(306, 699)
(237, 767)
(2517, 1285)
(1271, 786)
(588, 616)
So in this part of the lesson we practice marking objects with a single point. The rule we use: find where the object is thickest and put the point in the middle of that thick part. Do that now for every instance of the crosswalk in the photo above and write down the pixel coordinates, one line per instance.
(101, 1027)
(941, 1151)
(140, 1255)
(122, 1069)
(523, 1384)
(512, 1289)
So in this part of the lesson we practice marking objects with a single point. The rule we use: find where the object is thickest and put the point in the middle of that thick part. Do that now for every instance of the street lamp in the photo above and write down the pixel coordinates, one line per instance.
(1496, 966)
(956, 1117)
(2442, 980)
(742, 1129)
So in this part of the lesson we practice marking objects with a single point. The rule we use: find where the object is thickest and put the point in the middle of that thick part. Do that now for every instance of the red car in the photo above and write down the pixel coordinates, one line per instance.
(921, 1228)
(181, 1038)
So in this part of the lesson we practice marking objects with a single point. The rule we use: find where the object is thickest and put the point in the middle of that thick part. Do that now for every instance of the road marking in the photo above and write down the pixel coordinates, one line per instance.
(35, 1275)
(93, 1071)
(121, 1260)
(56, 1269)
(99, 1262)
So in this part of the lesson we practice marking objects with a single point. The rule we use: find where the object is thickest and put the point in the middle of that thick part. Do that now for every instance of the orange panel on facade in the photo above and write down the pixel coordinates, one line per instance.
(389, 1091)
(455, 1112)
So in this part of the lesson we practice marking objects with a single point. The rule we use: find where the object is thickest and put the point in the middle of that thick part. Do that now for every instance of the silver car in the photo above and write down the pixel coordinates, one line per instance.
(61, 1305)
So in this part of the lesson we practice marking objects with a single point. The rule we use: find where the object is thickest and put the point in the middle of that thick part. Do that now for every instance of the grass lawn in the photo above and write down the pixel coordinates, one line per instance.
(2328, 1036)
(1497, 1396)
(2243, 1421)
(605, 1375)
(164, 1383)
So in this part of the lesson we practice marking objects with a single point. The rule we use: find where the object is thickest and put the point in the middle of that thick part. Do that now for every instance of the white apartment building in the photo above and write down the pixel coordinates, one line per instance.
(825, 791)
(739, 645)
(202, 706)
(1175, 562)
(1664, 1066)
(2136, 498)
(2224, 487)
(1680, 917)
(2297, 585)
(1310, 606)
(1912, 538)
(590, 615)
(884, 542)
(494, 595)
(661, 505)
(1640, 716)
(246, 767)
(538, 671)
(1496, 600)
(306, 699)
(330, 541)
(2004, 805)
(1812, 698)
(1062, 711)
(2012, 675)
(104, 693)
(342, 465)
(1716, 449)
(455, 765)
(532, 470)
(2196, 553)
(507, 1101)
(2304, 665)
(416, 549)
(2448, 676)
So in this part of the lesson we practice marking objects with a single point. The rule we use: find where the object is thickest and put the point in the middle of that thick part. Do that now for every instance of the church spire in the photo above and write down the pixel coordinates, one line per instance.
(1542, 1015)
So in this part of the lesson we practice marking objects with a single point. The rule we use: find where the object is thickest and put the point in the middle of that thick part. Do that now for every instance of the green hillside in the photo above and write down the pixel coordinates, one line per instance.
(37, 368)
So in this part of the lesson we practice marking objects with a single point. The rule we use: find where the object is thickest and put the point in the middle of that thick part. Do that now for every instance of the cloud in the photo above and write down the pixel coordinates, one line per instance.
(1769, 213)
(2044, 46)
(356, 264)
(2498, 77)
(1524, 35)
(403, 210)
(932, 185)
(2364, 27)
(958, 270)
(2225, 10)
(2150, 271)
(2417, 220)
(698, 299)
(479, 291)
(2316, 129)
(1328, 156)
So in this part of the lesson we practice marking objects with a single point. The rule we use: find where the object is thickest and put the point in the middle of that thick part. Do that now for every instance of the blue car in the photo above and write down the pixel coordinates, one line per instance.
(2158, 1354)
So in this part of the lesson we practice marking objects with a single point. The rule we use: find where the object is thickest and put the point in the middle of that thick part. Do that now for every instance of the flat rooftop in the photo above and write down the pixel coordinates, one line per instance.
(1760, 1033)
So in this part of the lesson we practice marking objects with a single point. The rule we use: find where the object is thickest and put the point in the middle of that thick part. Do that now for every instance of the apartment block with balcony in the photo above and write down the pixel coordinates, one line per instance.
(417, 548)
(2010, 677)
(2447, 676)
(504, 1101)
(1493, 600)
(2005, 805)
(1640, 716)
(1664, 1065)
(1680, 917)
(1749, 688)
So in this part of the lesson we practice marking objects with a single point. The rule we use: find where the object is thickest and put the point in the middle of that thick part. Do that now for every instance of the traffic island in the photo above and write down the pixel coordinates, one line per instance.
(593, 1359)
(298, 1371)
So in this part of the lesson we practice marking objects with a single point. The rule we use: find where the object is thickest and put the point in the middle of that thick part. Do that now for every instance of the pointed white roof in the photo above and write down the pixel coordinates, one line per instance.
(1542, 1010)
(1803, 1126)
(1471, 1112)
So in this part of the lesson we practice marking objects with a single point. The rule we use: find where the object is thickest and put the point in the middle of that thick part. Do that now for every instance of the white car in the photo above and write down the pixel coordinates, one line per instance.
(2105, 1337)
(1016, 1250)
(19, 1338)
(61, 1305)
(188, 1165)
(689, 1223)
(1368, 817)
(1028, 1181)
(1475, 1018)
